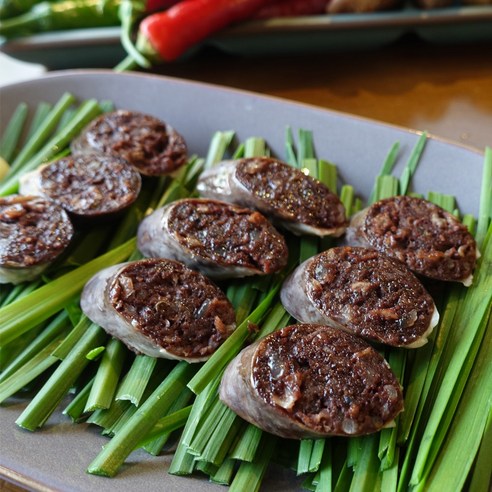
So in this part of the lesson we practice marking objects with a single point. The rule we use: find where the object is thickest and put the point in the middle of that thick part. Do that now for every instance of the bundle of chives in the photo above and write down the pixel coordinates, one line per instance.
(42, 132)
(55, 328)
(174, 419)
(25, 313)
(218, 453)
(122, 444)
(49, 397)
(85, 113)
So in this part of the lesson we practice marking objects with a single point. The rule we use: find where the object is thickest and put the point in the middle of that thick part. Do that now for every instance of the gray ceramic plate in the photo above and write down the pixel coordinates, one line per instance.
(55, 458)
(101, 47)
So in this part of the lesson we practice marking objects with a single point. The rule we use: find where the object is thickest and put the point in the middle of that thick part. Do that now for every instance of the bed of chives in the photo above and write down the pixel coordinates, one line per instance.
(442, 441)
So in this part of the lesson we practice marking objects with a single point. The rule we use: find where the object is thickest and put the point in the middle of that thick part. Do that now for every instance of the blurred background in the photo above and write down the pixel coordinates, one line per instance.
(427, 69)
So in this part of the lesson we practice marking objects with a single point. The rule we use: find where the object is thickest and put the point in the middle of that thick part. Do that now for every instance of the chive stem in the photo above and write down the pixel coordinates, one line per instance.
(107, 376)
(42, 361)
(13, 131)
(135, 382)
(166, 425)
(113, 455)
(53, 330)
(75, 409)
(57, 386)
(23, 314)
(86, 112)
(43, 132)
(485, 208)
(250, 475)
(412, 163)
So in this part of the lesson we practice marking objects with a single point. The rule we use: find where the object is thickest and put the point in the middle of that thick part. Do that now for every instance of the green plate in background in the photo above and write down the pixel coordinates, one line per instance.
(100, 47)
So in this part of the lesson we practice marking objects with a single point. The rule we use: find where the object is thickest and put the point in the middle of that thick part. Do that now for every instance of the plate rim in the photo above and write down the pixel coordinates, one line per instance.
(111, 73)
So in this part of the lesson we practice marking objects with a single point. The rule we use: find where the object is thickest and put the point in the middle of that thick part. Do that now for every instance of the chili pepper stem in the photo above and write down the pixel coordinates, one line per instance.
(147, 56)
(127, 64)
(15, 25)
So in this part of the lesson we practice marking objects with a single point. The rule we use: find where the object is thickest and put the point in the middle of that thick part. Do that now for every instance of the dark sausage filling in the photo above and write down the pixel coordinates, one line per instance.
(179, 309)
(429, 240)
(327, 380)
(294, 195)
(91, 184)
(36, 231)
(373, 295)
(144, 141)
(228, 235)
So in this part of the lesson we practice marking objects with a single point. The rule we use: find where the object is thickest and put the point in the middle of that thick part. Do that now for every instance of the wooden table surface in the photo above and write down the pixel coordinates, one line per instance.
(445, 89)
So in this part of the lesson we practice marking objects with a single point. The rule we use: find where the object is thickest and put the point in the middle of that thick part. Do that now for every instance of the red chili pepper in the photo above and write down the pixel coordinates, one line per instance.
(158, 5)
(172, 32)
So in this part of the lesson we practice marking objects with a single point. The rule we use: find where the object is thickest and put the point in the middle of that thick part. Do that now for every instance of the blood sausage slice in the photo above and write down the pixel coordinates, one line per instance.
(217, 238)
(150, 145)
(310, 380)
(363, 292)
(34, 232)
(86, 186)
(160, 308)
(428, 240)
(298, 202)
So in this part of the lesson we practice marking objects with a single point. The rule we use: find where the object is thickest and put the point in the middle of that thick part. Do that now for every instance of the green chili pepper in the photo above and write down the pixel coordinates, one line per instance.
(66, 14)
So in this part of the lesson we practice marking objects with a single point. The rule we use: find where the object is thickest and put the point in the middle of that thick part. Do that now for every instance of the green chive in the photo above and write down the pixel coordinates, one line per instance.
(306, 146)
(482, 472)
(255, 147)
(108, 462)
(108, 418)
(218, 145)
(75, 409)
(22, 315)
(328, 175)
(107, 376)
(164, 427)
(43, 132)
(57, 326)
(224, 473)
(86, 112)
(42, 111)
(250, 475)
(325, 469)
(389, 477)
(13, 131)
(458, 452)
(246, 447)
(57, 386)
(413, 161)
(94, 353)
(38, 364)
(366, 471)
(468, 324)
(347, 198)
(137, 379)
(485, 209)
(290, 153)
